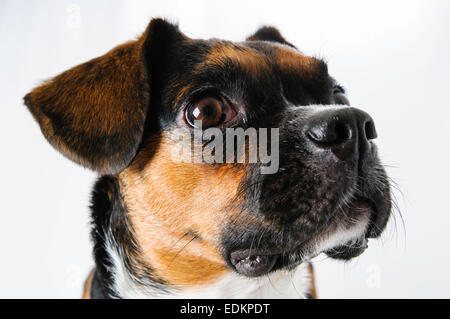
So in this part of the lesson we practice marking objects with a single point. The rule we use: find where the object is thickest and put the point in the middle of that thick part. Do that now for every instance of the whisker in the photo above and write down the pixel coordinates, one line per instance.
(178, 253)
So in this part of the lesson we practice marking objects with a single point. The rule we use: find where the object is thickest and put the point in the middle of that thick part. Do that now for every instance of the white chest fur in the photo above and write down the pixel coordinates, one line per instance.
(281, 284)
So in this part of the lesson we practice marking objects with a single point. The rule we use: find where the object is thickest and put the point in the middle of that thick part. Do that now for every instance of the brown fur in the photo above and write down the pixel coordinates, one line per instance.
(70, 108)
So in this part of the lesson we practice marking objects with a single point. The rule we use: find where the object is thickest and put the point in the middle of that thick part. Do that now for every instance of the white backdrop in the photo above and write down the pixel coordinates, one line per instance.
(392, 56)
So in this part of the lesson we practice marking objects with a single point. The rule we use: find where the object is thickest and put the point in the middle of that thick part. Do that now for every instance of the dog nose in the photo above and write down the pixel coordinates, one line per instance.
(346, 132)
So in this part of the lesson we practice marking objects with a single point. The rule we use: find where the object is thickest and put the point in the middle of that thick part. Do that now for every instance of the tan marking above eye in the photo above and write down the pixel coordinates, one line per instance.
(290, 60)
(250, 60)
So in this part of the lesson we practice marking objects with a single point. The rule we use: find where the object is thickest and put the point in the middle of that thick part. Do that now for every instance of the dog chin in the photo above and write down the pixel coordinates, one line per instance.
(345, 238)
(342, 239)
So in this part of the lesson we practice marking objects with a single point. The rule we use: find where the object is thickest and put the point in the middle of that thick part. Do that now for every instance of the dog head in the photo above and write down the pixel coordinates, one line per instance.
(191, 221)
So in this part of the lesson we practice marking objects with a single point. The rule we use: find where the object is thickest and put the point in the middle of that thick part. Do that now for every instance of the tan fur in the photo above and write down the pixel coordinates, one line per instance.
(168, 202)
(291, 60)
(248, 59)
(313, 282)
(87, 285)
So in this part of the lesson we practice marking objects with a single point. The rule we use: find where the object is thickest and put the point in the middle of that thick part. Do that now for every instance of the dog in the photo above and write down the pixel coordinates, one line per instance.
(163, 228)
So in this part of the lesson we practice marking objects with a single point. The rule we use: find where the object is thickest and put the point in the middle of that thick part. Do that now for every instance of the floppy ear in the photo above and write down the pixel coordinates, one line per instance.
(95, 113)
(269, 34)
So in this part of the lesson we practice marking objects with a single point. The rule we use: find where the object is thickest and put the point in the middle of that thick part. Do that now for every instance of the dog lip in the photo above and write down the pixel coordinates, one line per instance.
(258, 262)
(349, 250)
(253, 263)
(379, 211)
(370, 232)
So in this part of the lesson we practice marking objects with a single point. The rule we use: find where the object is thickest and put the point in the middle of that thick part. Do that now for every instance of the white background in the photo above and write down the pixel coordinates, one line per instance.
(392, 56)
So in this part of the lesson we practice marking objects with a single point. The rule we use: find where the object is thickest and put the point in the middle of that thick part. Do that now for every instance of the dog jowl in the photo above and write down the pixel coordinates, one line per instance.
(223, 227)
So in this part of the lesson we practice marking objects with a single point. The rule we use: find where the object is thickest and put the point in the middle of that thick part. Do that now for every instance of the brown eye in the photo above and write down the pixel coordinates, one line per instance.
(340, 98)
(209, 110)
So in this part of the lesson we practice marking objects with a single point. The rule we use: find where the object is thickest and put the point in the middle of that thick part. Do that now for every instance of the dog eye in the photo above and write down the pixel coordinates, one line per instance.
(210, 111)
(339, 96)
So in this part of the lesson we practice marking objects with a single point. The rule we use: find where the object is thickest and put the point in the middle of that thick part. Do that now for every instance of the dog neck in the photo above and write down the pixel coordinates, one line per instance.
(115, 255)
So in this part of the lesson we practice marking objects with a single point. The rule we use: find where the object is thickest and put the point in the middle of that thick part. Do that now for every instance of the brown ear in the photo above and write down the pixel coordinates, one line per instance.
(95, 113)
(269, 34)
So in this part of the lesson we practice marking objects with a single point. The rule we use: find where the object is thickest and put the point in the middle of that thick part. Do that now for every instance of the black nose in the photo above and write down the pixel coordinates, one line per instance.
(346, 132)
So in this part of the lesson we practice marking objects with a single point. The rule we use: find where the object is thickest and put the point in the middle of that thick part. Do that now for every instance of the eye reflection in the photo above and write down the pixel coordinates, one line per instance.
(211, 111)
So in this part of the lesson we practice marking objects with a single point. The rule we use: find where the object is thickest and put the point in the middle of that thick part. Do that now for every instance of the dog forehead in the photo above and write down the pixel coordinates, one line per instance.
(236, 63)
(257, 56)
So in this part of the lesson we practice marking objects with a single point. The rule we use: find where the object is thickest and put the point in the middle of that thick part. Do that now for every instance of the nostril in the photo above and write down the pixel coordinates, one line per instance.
(369, 130)
(327, 134)
(343, 133)
(317, 133)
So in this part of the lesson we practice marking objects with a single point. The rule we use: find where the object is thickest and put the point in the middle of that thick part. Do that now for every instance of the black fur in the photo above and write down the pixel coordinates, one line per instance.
(269, 34)
(105, 208)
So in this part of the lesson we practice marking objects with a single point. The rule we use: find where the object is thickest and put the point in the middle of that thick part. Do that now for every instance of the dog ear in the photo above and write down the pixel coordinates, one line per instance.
(269, 34)
(95, 113)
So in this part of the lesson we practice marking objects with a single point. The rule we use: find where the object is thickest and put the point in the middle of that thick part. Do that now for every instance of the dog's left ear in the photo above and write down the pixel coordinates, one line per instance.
(269, 34)
(95, 113)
